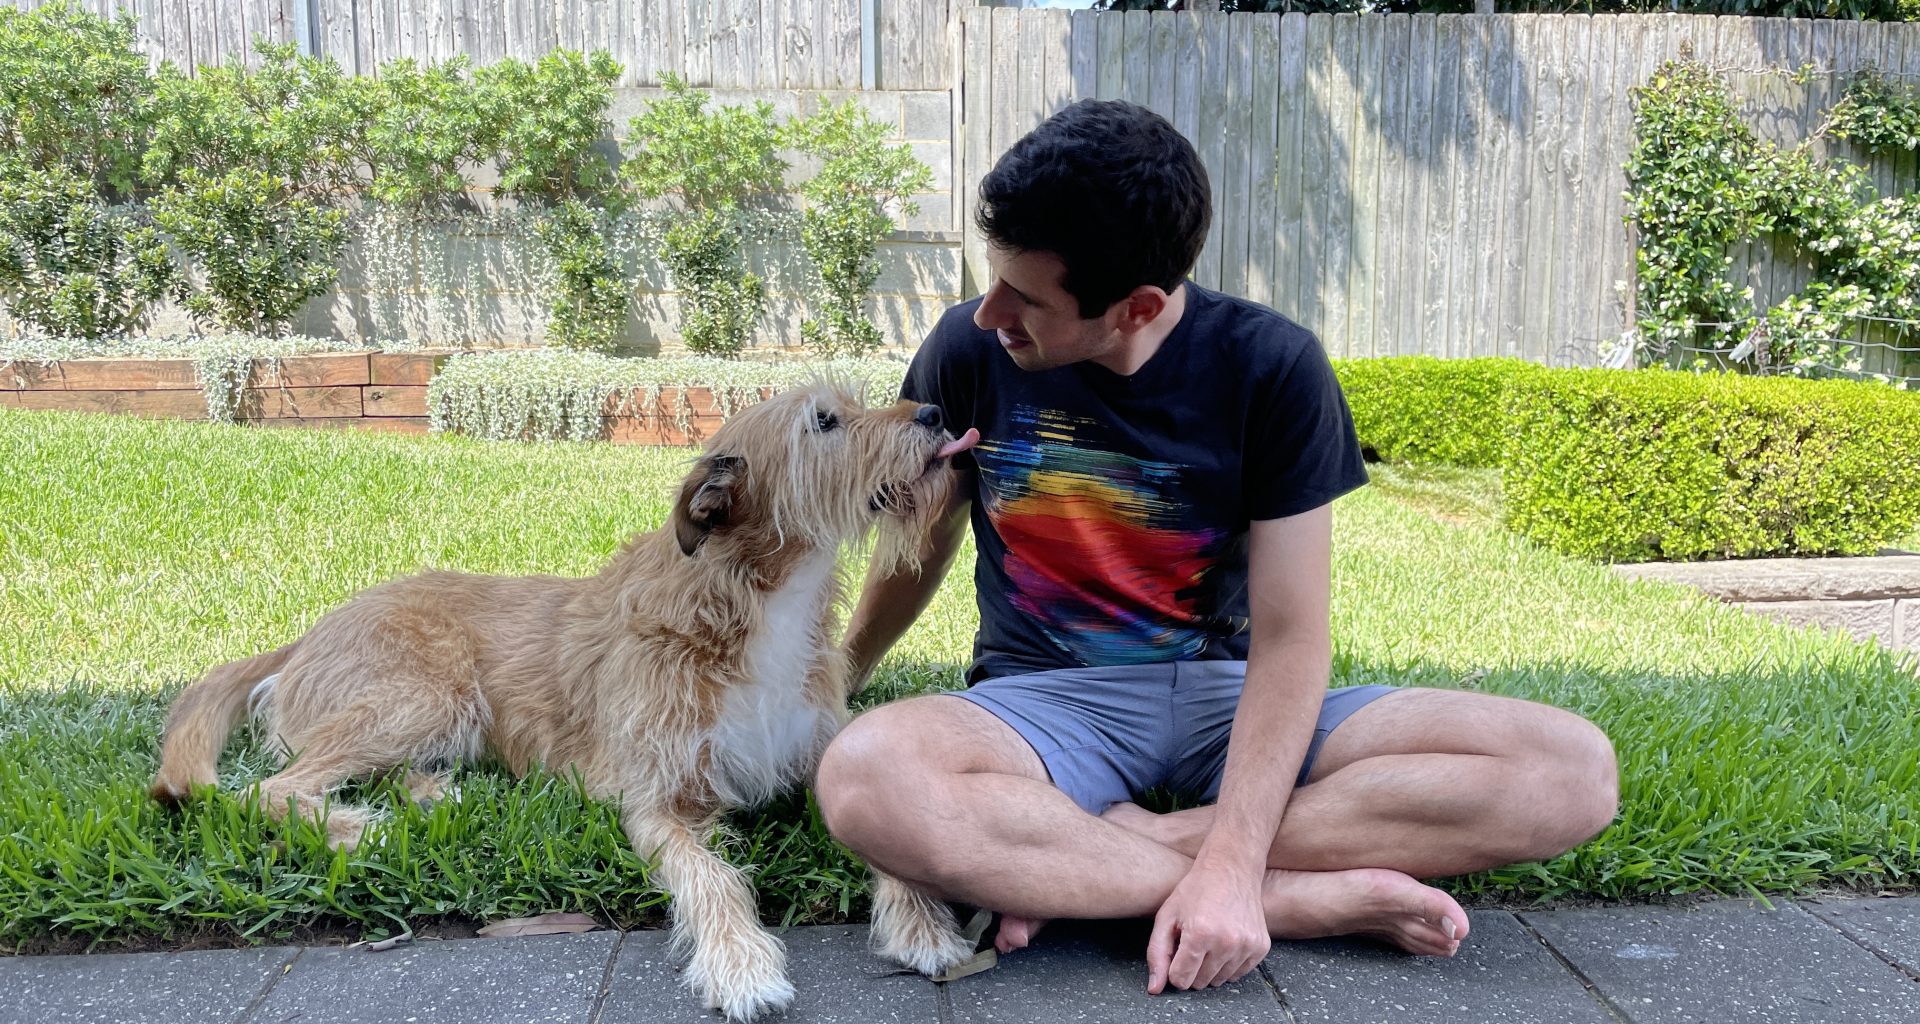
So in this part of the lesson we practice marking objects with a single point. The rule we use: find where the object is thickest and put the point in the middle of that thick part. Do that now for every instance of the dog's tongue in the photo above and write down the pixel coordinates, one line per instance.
(961, 444)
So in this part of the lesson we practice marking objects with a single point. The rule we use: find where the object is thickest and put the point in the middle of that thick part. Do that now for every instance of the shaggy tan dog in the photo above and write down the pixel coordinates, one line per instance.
(699, 671)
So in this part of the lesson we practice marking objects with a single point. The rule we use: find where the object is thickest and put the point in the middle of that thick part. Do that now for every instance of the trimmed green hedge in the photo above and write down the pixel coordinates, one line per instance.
(1657, 464)
(1429, 409)
(1637, 465)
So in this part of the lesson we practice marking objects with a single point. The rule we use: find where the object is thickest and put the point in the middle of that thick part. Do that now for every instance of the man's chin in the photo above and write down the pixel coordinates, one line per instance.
(1028, 357)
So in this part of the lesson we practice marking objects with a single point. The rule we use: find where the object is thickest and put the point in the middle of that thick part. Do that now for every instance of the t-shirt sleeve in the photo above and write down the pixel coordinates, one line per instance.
(1301, 450)
(943, 373)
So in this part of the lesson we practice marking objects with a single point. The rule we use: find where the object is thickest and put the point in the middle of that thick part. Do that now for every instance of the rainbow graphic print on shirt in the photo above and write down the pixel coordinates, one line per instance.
(1101, 551)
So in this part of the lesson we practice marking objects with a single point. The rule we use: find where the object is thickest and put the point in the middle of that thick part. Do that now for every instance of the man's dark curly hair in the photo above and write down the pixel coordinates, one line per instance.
(1109, 187)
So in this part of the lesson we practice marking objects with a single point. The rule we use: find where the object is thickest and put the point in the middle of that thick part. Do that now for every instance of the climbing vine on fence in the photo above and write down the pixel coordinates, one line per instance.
(1700, 182)
(1877, 113)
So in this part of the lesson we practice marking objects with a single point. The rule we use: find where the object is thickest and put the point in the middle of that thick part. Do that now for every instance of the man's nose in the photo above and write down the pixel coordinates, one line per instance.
(988, 316)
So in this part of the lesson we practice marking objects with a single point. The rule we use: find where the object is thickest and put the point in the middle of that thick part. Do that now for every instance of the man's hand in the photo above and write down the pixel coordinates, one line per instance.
(1211, 931)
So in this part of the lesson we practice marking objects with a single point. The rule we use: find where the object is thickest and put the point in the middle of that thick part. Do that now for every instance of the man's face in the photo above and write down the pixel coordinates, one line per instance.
(1039, 323)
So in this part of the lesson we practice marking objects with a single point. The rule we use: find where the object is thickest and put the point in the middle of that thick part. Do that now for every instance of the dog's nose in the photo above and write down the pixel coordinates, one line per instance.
(928, 416)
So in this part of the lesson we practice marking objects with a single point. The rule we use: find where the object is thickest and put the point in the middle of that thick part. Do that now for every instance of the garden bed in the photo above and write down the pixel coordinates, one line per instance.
(378, 391)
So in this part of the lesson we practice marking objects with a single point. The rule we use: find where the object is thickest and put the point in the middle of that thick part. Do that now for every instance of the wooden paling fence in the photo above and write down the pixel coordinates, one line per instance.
(1449, 185)
(720, 44)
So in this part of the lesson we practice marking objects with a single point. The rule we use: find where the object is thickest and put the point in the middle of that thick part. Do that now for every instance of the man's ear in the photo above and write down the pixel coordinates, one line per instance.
(706, 499)
(1140, 307)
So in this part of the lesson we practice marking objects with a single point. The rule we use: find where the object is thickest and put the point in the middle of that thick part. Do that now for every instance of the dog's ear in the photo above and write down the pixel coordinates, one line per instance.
(706, 499)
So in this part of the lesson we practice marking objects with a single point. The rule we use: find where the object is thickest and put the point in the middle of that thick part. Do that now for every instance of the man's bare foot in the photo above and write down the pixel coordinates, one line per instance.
(1016, 932)
(1364, 901)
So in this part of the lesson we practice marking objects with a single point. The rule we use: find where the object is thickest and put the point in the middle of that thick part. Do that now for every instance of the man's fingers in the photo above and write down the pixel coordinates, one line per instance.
(1159, 954)
(1247, 966)
(1234, 966)
(1186, 965)
(1212, 967)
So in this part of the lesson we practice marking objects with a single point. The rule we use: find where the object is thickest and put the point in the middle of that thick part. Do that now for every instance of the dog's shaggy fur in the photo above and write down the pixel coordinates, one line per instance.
(700, 670)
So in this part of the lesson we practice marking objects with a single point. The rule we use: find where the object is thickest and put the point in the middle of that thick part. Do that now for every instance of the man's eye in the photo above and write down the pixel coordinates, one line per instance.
(825, 421)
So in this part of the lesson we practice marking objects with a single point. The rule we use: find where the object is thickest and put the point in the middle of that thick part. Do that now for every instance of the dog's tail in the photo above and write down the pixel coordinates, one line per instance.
(202, 718)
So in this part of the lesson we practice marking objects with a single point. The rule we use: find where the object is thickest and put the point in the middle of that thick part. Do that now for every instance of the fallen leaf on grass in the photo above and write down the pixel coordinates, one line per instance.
(544, 924)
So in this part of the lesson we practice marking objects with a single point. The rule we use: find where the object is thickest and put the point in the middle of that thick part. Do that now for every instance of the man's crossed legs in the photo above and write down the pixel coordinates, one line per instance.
(968, 803)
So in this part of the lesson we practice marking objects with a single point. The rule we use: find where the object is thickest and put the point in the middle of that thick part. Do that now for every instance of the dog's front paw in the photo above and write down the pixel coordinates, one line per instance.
(347, 826)
(916, 931)
(743, 977)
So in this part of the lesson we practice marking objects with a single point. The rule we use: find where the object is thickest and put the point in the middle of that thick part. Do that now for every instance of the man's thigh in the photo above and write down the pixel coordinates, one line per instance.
(937, 732)
(1419, 720)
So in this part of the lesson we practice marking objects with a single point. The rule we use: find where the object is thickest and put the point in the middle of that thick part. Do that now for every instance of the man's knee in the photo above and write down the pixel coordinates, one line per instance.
(1584, 775)
(863, 777)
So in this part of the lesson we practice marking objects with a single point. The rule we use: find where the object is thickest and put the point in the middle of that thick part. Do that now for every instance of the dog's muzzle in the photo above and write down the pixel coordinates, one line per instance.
(897, 498)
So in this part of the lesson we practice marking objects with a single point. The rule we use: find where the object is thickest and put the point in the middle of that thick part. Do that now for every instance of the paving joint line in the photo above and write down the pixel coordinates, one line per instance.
(1847, 933)
(1614, 1010)
(281, 970)
(1279, 994)
(606, 981)
(942, 1003)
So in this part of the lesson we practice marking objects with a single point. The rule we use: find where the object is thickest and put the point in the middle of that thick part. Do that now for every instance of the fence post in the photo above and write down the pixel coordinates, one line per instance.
(304, 29)
(869, 44)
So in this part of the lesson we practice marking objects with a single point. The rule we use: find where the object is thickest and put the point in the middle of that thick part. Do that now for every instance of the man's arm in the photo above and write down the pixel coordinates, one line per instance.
(890, 604)
(1212, 929)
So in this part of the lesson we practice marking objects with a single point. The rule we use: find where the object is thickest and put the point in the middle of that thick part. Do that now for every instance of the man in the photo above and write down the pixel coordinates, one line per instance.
(1151, 505)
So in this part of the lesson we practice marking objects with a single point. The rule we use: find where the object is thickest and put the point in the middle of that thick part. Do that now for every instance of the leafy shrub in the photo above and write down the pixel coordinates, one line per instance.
(551, 114)
(1428, 409)
(589, 307)
(1694, 189)
(1876, 113)
(251, 162)
(74, 94)
(260, 251)
(549, 118)
(422, 124)
(72, 266)
(712, 163)
(1655, 464)
(427, 126)
(847, 213)
(721, 302)
(297, 118)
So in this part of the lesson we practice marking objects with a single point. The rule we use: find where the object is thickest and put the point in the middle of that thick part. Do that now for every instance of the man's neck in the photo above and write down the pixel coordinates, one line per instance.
(1134, 352)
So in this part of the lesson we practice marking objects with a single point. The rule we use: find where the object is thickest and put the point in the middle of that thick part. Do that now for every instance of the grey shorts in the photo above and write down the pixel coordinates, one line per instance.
(1112, 733)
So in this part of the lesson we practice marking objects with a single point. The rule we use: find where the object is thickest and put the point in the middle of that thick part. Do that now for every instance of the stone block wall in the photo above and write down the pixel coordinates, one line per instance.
(1874, 599)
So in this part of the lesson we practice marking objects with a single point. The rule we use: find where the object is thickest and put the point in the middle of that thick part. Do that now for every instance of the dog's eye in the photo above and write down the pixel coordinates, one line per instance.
(824, 421)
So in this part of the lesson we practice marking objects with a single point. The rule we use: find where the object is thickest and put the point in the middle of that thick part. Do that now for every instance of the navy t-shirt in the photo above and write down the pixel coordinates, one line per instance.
(1110, 513)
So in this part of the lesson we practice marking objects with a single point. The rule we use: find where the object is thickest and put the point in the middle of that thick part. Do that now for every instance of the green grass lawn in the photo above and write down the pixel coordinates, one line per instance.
(137, 554)
(1454, 494)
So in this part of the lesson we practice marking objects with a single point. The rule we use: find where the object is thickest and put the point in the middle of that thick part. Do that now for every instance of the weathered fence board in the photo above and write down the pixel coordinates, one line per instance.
(1450, 185)
(720, 44)
(1447, 184)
